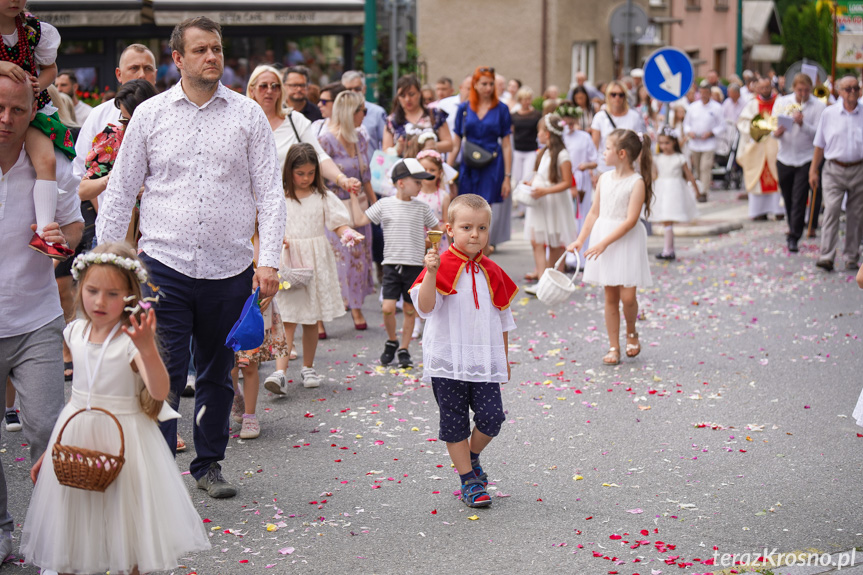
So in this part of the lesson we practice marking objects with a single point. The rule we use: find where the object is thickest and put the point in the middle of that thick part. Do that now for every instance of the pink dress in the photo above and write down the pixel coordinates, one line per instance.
(435, 202)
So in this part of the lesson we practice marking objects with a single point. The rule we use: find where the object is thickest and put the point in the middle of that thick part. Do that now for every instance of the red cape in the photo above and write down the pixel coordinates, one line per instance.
(452, 262)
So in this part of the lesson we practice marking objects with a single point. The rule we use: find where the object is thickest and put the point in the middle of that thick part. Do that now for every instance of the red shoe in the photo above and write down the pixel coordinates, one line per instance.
(53, 251)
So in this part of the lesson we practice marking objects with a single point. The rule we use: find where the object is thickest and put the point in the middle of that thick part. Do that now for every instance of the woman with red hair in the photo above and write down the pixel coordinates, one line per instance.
(482, 129)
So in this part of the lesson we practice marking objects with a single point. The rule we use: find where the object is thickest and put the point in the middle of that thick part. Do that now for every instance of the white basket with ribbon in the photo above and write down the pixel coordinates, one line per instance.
(555, 287)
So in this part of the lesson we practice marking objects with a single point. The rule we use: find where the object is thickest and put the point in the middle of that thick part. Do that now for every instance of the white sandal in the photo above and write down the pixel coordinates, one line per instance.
(612, 351)
(630, 347)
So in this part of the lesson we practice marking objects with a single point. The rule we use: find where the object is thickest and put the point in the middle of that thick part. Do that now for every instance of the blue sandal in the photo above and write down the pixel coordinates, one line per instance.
(481, 475)
(474, 494)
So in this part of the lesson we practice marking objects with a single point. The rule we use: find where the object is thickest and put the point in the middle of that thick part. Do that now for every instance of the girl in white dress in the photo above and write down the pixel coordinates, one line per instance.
(144, 521)
(433, 192)
(674, 201)
(312, 209)
(617, 257)
(551, 221)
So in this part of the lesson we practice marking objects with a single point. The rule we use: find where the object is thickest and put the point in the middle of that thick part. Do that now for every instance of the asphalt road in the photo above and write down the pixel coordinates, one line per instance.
(730, 433)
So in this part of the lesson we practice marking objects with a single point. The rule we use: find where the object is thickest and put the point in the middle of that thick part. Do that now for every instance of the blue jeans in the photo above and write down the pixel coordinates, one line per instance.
(205, 311)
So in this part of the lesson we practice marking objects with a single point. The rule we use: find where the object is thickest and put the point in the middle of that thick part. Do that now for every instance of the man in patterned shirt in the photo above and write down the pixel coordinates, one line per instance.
(207, 160)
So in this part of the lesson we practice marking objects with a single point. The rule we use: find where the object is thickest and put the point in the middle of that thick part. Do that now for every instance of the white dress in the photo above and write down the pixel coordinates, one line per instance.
(673, 200)
(624, 262)
(552, 220)
(308, 247)
(145, 518)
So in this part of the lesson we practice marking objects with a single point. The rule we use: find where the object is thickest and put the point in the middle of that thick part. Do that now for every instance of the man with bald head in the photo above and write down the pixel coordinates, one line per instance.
(136, 61)
(839, 141)
(31, 331)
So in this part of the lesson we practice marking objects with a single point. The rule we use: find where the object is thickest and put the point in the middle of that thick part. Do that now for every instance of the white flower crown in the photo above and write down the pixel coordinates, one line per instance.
(84, 260)
(550, 127)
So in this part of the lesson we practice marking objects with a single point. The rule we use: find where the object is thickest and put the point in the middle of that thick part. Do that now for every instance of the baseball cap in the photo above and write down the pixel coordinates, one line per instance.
(410, 168)
(704, 84)
(636, 73)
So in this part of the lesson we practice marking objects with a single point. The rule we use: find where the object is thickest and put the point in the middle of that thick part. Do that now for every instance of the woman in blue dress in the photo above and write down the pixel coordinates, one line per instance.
(486, 122)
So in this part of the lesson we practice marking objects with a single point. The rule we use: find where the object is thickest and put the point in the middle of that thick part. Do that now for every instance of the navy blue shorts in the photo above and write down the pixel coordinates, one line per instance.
(455, 400)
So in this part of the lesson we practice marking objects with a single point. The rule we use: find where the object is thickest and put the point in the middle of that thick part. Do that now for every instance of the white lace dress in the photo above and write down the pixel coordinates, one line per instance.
(308, 247)
(145, 518)
(552, 220)
(624, 262)
(673, 201)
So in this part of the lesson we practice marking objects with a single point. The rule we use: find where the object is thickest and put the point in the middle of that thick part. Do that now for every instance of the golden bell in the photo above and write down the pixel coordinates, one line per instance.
(760, 126)
(434, 237)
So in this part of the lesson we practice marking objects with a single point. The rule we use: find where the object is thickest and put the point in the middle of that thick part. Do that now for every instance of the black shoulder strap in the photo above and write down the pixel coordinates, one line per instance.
(613, 125)
(291, 120)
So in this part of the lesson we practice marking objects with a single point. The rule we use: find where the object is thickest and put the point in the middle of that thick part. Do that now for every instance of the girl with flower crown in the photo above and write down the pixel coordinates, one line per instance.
(144, 520)
(28, 53)
(550, 223)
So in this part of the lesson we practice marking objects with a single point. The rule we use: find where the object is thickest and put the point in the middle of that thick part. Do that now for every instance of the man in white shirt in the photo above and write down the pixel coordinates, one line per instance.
(795, 152)
(67, 83)
(376, 117)
(703, 123)
(31, 328)
(136, 61)
(733, 104)
(839, 141)
(207, 159)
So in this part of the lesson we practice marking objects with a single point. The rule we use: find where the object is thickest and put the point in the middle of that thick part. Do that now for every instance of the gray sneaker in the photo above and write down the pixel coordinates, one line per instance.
(277, 383)
(5, 545)
(215, 485)
(310, 377)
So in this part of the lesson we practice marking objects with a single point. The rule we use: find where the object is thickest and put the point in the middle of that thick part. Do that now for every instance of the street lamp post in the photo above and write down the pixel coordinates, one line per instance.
(739, 55)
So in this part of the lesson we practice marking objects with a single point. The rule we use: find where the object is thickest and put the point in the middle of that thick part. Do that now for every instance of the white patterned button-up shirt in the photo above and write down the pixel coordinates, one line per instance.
(206, 172)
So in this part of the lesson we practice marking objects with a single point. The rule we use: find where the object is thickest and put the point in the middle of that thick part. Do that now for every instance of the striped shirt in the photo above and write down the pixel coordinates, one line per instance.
(404, 226)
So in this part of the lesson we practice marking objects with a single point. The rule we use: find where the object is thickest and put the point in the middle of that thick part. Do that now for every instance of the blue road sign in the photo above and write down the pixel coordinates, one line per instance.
(668, 74)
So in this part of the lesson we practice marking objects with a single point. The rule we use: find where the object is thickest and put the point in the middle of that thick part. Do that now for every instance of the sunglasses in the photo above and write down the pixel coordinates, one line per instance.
(324, 101)
(263, 87)
(851, 90)
(616, 95)
(483, 70)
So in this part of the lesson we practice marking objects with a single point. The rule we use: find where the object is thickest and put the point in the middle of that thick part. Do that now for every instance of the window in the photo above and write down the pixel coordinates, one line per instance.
(720, 58)
(693, 4)
(584, 60)
(720, 5)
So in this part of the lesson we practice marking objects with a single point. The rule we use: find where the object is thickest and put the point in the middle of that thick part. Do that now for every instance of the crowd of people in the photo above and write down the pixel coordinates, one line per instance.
(177, 203)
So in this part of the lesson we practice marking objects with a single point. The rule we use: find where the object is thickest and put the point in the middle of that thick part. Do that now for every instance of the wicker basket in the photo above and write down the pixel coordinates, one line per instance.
(555, 287)
(86, 468)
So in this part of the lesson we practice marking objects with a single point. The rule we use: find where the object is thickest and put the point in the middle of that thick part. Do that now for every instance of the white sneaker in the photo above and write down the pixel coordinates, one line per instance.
(418, 329)
(12, 421)
(189, 390)
(310, 377)
(276, 383)
(5, 545)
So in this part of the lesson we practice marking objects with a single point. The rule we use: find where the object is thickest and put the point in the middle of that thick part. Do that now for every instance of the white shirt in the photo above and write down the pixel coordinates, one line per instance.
(82, 112)
(285, 137)
(795, 145)
(581, 151)
(450, 106)
(99, 117)
(700, 119)
(207, 171)
(840, 133)
(730, 110)
(375, 123)
(28, 293)
(461, 342)
(45, 53)
(632, 120)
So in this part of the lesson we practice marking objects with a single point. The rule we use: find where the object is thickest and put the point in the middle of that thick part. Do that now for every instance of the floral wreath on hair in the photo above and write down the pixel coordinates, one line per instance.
(84, 260)
(569, 111)
(668, 132)
(425, 136)
(430, 154)
(550, 127)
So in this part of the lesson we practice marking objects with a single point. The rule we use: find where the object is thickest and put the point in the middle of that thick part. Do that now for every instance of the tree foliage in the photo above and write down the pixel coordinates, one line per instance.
(806, 34)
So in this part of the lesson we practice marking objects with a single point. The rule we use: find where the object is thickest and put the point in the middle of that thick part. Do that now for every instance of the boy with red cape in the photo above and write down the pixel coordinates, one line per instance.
(465, 299)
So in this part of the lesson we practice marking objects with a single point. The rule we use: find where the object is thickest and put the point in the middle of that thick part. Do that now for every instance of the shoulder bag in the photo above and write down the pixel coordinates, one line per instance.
(475, 156)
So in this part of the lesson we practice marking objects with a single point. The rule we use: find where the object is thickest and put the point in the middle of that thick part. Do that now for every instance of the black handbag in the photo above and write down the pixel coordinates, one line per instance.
(474, 155)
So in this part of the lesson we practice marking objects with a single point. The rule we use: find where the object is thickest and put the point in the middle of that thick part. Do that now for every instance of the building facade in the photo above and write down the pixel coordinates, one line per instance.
(540, 42)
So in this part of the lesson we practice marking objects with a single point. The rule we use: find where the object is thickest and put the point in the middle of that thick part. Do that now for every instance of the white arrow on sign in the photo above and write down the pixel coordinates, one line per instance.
(672, 81)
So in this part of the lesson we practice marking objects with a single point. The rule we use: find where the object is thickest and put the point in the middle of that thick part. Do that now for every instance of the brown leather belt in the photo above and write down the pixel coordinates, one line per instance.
(847, 164)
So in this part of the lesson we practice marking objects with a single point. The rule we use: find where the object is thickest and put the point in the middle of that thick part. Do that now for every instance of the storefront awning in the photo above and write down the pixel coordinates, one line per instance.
(759, 16)
(92, 12)
(262, 12)
(767, 53)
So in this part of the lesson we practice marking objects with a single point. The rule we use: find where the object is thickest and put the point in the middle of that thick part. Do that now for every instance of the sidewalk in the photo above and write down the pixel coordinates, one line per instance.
(722, 214)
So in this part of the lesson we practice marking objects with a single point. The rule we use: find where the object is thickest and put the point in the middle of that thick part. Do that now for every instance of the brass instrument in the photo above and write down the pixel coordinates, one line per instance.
(822, 93)
(760, 126)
